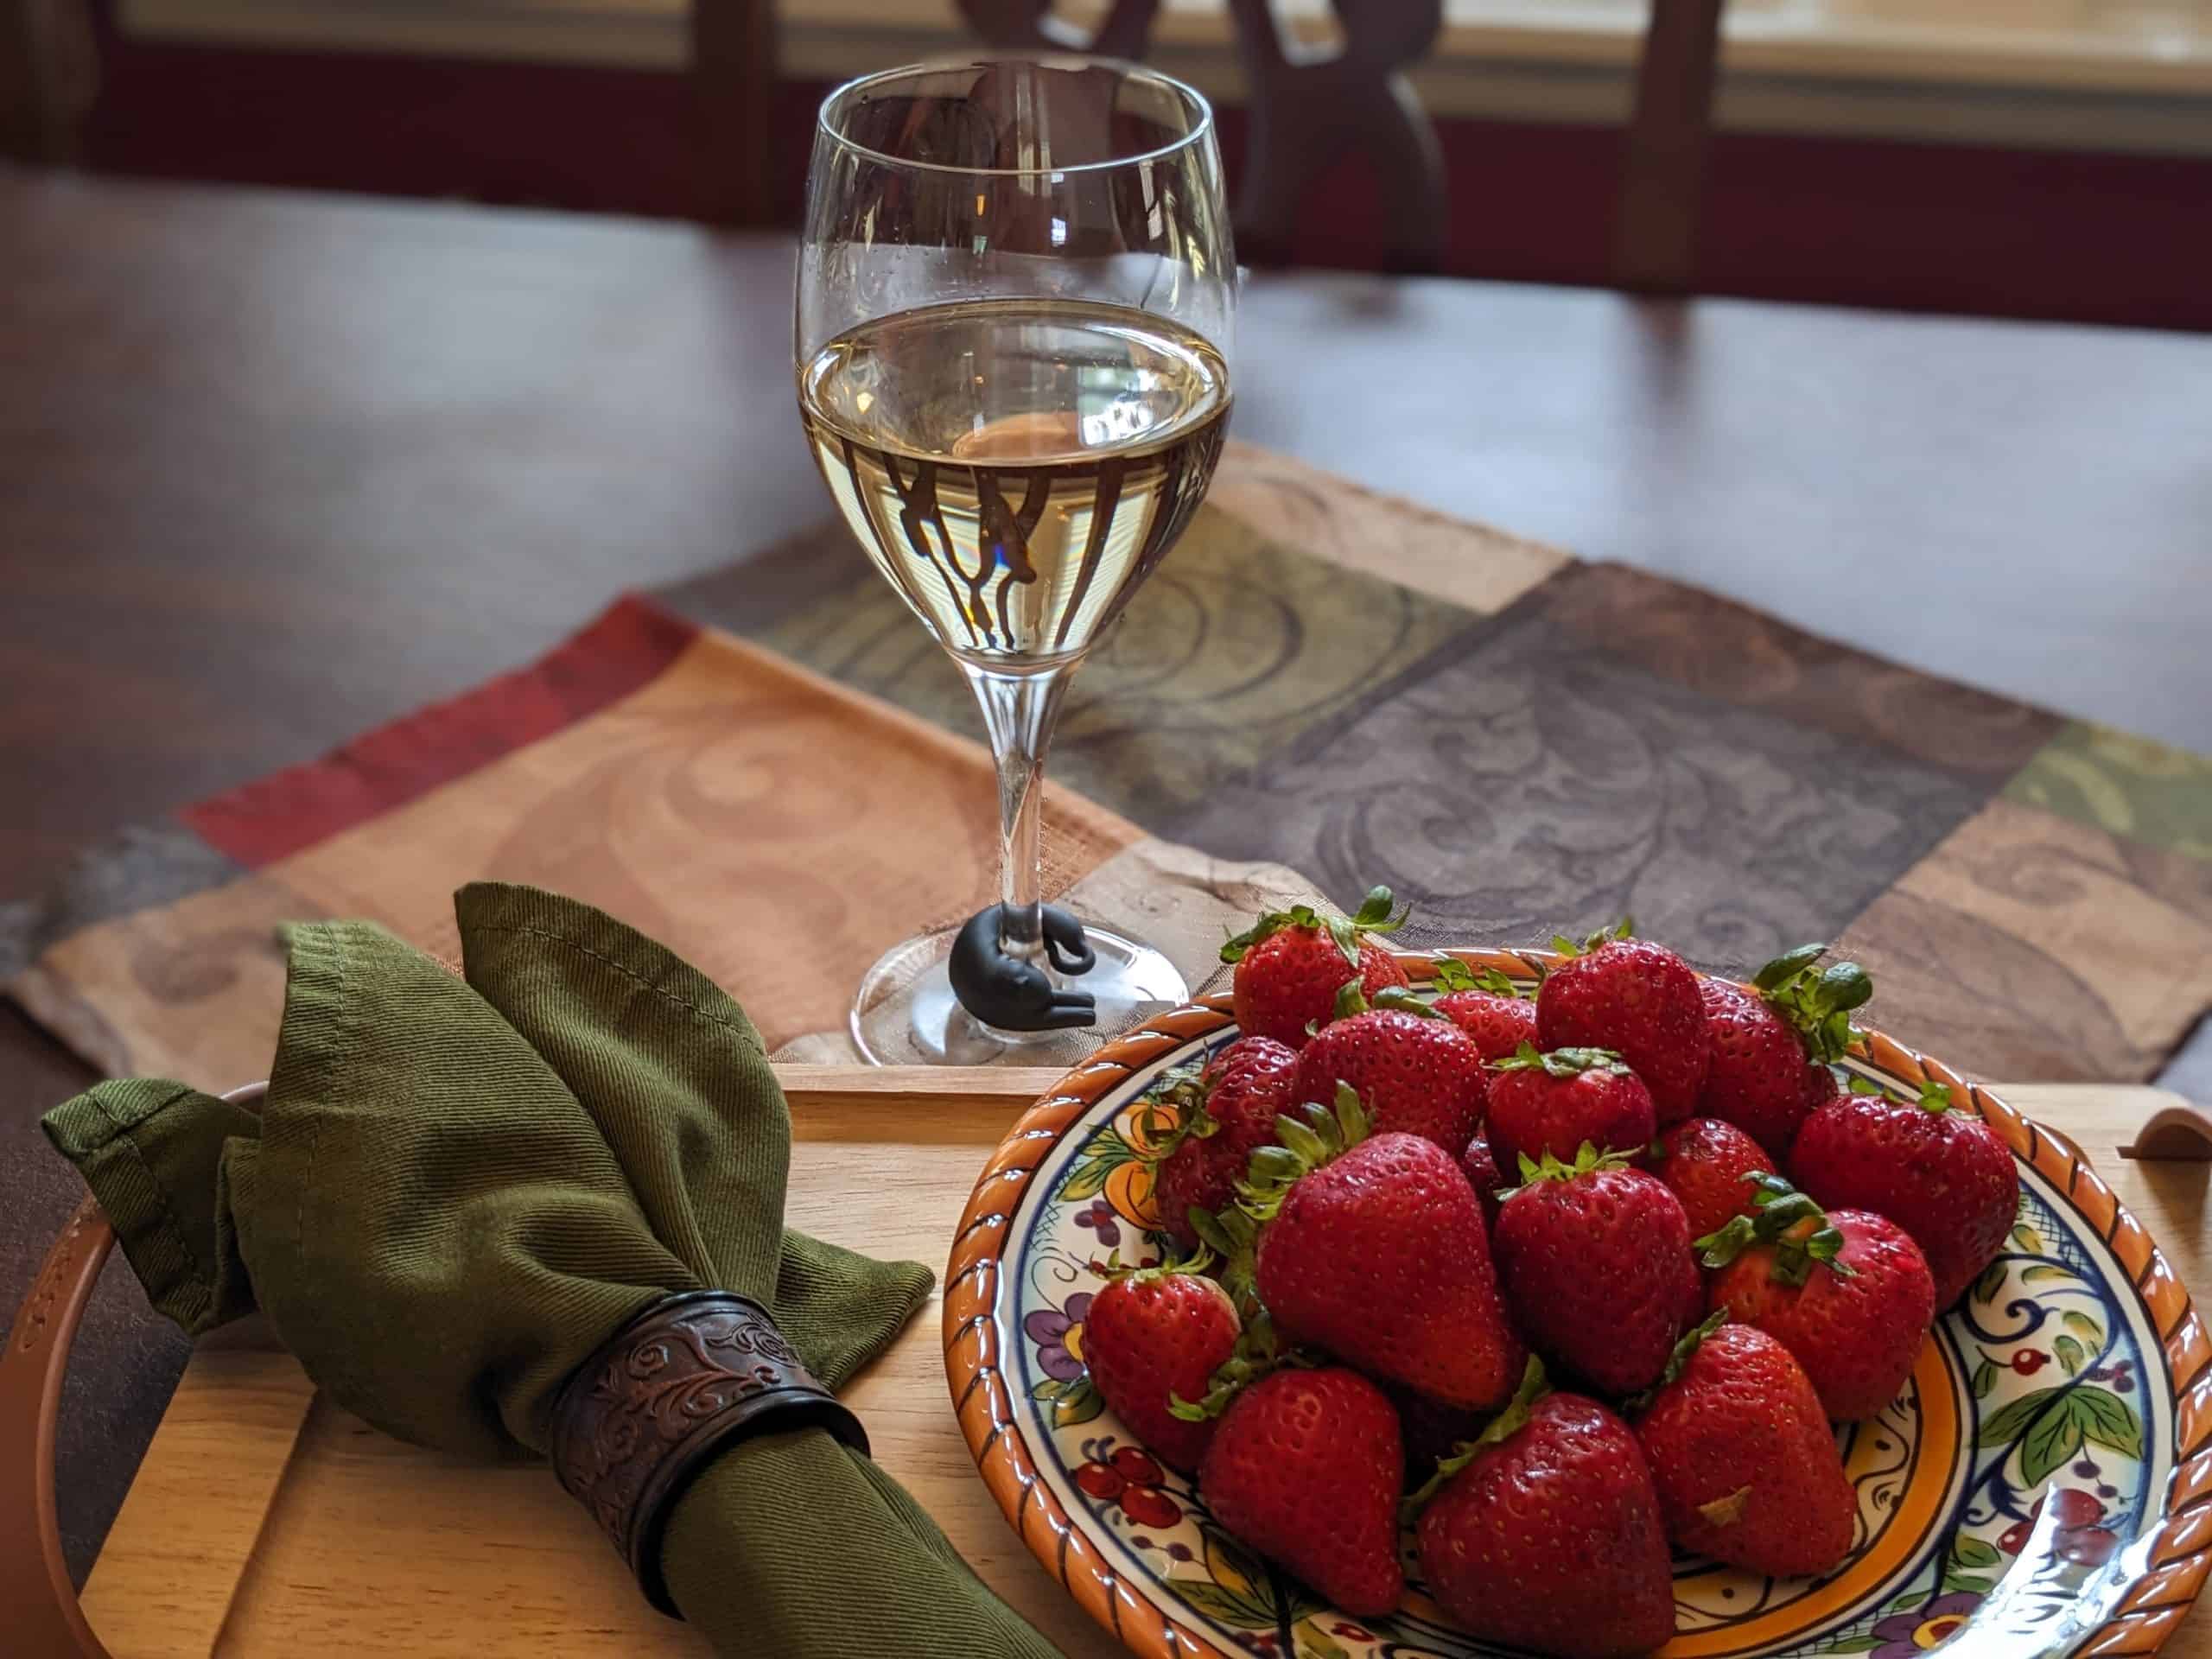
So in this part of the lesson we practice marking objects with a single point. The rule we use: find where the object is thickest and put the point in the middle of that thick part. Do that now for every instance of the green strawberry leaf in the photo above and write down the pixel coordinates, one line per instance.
(1373, 915)
(1399, 999)
(1454, 974)
(1787, 966)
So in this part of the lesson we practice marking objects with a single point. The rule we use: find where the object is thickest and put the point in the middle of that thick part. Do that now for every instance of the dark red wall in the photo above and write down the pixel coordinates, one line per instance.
(2108, 238)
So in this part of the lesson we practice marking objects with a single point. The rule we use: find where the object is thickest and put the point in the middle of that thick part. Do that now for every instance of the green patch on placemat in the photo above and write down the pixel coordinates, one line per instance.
(2125, 784)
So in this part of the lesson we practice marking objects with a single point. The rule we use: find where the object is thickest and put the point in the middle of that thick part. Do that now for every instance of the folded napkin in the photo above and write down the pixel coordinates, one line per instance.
(458, 1187)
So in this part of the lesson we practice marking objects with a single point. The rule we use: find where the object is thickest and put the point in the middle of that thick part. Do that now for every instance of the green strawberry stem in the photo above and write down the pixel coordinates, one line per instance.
(1510, 1420)
(1373, 916)
(1560, 1062)
(1790, 1222)
(1301, 1148)
(1817, 1006)
(1678, 1361)
(1258, 1352)
(1935, 1098)
(1187, 1091)
(1170, 1263)
(1454, 974)
(1352, 998)
(1588, 1159)
(1624, 929)
(1234, 1237)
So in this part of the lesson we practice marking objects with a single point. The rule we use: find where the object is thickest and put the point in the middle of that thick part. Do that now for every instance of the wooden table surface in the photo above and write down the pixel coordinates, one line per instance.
(273, 469)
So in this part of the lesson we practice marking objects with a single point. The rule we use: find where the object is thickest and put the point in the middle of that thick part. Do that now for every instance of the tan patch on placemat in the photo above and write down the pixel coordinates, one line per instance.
(1473, 565)
(771, 827)
(2044, 947)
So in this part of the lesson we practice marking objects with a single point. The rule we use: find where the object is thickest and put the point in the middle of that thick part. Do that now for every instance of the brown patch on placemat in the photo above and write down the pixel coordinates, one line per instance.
(1531, 776)
(776, 830)
(2031, 946)
(1738, 654)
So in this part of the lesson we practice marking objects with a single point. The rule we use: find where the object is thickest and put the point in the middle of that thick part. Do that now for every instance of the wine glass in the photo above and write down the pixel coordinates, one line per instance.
(1014, 297)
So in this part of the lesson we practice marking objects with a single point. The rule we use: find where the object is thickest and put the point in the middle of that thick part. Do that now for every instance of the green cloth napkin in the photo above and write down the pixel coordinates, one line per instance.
(455, 1190)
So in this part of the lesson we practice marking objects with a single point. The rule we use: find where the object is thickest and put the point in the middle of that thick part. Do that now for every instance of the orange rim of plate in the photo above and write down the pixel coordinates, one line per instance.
(2180, 1556)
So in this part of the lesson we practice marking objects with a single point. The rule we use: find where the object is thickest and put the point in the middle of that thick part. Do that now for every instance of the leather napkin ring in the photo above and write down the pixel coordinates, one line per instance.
(659, 1399)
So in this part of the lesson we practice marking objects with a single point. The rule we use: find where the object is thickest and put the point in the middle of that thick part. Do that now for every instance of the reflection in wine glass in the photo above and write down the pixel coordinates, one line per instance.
(1015, 296)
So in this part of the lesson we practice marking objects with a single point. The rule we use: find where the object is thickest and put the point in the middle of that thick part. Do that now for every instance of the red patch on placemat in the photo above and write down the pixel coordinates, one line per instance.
(277, 816)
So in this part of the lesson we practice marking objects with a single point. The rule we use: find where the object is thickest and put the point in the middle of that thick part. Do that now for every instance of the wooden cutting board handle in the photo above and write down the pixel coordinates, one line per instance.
(39, 1607)
(37, 1600)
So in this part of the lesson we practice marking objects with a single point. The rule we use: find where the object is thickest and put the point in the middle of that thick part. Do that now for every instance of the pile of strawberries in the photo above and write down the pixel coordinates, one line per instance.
(1540, 1261)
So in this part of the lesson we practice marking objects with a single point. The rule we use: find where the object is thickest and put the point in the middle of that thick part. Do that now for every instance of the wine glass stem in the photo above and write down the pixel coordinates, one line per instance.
(1020, 711)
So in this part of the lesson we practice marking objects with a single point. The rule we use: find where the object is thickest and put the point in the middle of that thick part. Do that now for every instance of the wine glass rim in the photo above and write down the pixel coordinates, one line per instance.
(1201, 127)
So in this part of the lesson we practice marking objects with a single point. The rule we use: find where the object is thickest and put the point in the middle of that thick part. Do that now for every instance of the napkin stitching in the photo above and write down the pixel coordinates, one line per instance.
(749, 1037)
(161, 1193)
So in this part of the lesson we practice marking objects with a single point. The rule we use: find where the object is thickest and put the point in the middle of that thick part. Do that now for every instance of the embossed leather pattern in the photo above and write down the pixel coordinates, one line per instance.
(662, 1397)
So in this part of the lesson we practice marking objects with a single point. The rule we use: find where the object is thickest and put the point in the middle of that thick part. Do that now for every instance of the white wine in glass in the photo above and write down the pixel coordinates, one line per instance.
(1014, 297)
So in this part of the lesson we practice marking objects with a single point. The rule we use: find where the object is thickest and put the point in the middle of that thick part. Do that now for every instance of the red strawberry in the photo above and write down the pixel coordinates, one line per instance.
(1845, 1292)
(1307, 1468)
(1414, 1072)
(1553, 1103)
(1291, 963)
(1639, 999)
(1595, 1260)
(1545, 1533)
(1481, 1164)
(1941, 1175)
(1487, 1006)
(1704, 1162)
(1229, 1112)
(1154, 1336)
(1770, 1044)
(1746, 1465)
(1375, 1250)
(1431, 1430)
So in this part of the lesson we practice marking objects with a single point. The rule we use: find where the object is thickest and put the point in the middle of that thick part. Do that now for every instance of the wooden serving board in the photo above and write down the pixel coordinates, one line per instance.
(266, 1522)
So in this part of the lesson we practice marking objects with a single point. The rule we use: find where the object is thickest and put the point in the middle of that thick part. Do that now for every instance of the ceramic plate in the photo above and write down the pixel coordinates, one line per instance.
(2075, 1362)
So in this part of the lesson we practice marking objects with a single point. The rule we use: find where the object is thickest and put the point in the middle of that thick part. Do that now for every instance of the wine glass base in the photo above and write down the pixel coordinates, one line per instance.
(906, 1014)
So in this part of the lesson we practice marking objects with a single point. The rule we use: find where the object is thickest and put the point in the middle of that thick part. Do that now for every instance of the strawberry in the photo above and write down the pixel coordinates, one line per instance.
(1431, 1430)
(1413, 1070)
(1595, 1260)
(1545, 1532)
(1154, 1336)
(1291, 963)
(1637, 999)
(1228, 1110)
(1551, 1103)
(1746, 1465)
(1374, 1249)
(1704, 1162)
(1769, 1043)
(1845, 1291)
(1481, 1164)
(1306, 1467)
(1487, 1006)
(1940, 1174)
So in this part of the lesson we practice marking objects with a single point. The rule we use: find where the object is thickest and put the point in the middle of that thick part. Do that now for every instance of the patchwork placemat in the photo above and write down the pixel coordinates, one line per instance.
(773, 769)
